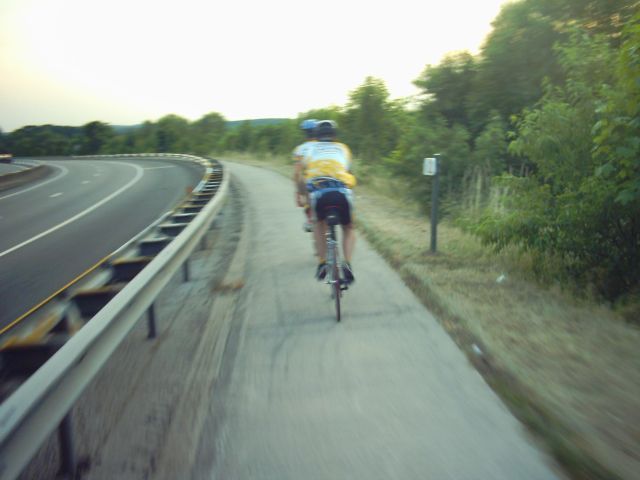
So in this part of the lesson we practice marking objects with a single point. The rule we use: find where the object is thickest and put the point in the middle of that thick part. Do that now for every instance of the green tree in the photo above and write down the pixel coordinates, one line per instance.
(4, 142)
(42, 140)
(595, 16)
(617, 133)
(144, 139)
(244, 136)
(515, 59)
(95, 136)
(276, 139)
(207, 133)
(420, 140)
(117, 144)
(239, 138)
(172, 134)
(490, 151)
(288, 137)
(447, 87)
(581, 206)
(368, 124)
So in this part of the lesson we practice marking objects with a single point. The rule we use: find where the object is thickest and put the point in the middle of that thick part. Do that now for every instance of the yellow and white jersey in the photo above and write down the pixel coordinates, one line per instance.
(329, 159)
(300, 151)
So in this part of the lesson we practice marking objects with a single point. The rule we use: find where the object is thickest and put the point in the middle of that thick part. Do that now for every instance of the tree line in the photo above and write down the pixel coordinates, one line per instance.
(539, 135)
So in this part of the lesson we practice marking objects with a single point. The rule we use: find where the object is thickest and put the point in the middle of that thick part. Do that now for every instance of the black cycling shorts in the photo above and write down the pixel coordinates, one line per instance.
(333, 200)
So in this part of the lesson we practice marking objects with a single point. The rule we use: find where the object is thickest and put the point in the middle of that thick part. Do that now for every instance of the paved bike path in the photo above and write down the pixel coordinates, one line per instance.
(384, 394)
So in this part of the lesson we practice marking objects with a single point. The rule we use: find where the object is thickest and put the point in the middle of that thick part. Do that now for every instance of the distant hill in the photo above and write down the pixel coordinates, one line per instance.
(63, 130)
(125, 128)
(257, 122)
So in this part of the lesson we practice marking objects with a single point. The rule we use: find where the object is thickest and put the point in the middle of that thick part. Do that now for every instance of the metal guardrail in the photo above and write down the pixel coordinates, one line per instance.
(41, 404)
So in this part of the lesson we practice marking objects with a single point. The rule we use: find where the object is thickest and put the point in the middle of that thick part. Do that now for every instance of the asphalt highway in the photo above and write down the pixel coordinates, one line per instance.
(54, 229)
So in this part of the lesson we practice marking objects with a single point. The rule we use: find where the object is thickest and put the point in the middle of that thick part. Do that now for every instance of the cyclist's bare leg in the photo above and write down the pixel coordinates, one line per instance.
(348, 241)
(319, 229)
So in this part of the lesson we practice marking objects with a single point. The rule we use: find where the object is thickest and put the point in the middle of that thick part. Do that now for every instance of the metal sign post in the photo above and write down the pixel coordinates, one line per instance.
(431, 167)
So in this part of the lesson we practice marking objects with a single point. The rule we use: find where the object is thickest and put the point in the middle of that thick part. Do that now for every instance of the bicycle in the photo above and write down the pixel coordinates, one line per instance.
(334, 277)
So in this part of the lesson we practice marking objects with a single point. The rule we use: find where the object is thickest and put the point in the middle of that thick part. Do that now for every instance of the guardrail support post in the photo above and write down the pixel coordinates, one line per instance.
(185, 270)
(67, 452)
(151, 322)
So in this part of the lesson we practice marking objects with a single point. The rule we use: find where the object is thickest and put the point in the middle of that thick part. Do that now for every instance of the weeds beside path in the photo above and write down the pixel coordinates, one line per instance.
(570, 370)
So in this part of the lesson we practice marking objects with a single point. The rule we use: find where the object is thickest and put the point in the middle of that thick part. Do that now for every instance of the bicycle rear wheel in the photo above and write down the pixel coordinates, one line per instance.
(332, 251)
(337, 292)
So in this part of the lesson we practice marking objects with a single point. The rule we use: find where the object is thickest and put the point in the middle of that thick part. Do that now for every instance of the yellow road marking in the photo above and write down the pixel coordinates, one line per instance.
(52, 296)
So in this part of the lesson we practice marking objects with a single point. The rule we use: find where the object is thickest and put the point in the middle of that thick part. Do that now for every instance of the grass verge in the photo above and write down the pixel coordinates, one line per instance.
(568, 369)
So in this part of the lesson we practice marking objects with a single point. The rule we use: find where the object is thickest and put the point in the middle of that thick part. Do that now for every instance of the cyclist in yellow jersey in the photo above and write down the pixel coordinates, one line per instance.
(308, 127)
(327, 171)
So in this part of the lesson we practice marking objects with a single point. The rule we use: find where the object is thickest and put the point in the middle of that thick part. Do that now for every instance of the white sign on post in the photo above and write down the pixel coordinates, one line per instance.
(430, 166)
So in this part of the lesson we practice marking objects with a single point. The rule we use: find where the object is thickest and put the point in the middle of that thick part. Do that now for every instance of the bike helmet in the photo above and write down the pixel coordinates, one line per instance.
(308, 124)
(326, 130)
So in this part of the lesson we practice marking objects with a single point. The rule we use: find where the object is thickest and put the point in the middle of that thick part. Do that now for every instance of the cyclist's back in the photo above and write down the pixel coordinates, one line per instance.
(329, 159)
(301, 150)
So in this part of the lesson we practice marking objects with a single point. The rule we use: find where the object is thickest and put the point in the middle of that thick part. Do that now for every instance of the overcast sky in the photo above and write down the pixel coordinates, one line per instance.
(68, 62)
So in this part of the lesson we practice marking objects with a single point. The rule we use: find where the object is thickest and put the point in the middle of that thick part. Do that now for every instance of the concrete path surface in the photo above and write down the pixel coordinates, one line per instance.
(385, 394)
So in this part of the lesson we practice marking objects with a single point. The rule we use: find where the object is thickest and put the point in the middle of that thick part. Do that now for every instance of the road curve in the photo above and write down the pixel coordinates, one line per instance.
(56, 228)
(385, 394)
(7, 168)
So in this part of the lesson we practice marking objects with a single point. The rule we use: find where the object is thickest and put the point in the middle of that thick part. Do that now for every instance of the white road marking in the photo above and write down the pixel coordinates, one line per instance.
(158, 168)
(55, 195)
(138, 176)
(85, 182)
(64, 172)
(96, 174)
